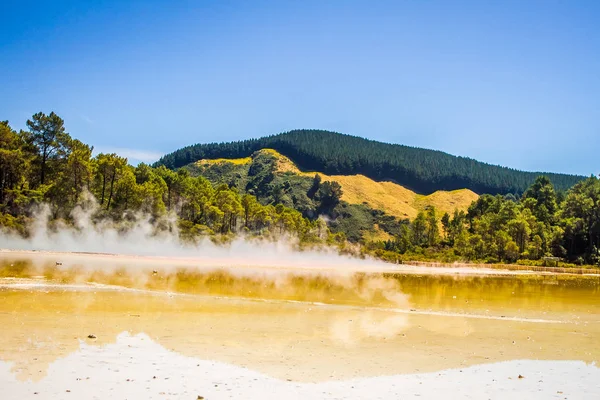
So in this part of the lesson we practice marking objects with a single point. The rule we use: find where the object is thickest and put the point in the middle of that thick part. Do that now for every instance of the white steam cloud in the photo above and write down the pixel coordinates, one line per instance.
(141, 238)
(142, 247)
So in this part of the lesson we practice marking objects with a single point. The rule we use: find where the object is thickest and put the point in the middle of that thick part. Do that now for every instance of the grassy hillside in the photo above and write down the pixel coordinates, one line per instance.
(264, 195)
(423, 171)
(370, 204)
(390, 197)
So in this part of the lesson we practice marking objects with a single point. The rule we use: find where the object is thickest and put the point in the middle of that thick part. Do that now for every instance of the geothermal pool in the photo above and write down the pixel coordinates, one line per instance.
(162, 333)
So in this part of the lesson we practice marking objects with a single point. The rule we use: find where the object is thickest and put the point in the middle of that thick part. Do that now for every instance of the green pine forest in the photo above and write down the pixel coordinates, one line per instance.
(421, 170)
(520, 217)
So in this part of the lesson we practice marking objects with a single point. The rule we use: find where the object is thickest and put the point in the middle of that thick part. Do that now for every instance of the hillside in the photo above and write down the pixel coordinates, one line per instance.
(389, 197)
(266, 196)
(421, 170)
(386, 198)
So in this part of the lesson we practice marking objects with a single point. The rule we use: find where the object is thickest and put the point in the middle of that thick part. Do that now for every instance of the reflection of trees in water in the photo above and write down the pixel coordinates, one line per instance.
(40, 327)
(541, 292)
(455, 293)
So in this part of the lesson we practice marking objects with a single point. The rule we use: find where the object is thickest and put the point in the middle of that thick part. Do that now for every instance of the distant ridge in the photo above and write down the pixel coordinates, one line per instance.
(422, 170)
(389, 197)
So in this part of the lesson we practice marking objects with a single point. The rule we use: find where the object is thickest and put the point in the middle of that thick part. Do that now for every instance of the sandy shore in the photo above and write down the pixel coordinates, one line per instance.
(137, 368)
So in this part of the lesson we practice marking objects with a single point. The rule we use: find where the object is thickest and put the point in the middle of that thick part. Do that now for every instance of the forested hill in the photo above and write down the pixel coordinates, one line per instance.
(421, 170)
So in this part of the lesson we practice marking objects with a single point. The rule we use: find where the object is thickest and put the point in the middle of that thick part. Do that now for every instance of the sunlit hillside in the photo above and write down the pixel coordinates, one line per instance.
(390, 197)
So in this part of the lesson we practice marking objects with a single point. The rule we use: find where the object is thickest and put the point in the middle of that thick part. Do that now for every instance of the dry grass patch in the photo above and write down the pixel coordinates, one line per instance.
(236, 161)
(377, 235)
(390, 197)
(447, 201)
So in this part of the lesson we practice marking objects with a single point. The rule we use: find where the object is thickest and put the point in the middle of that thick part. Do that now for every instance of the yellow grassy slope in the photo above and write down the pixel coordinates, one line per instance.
(390, 197)
(397, 200)
(237, 161)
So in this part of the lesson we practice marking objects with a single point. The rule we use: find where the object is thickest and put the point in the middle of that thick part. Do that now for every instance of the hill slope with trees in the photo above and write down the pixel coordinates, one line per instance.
(389, 197)
(44, 167)
(424, 171)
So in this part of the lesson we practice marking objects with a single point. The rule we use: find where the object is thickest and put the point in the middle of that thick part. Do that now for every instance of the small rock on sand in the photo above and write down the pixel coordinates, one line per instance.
(521, 377)
(91, 336)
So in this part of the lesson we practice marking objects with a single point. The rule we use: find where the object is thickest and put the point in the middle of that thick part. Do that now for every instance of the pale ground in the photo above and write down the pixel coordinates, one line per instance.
(137, 368)
(442, 341)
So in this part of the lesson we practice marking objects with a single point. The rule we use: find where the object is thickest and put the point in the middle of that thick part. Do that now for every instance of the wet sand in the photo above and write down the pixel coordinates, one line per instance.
(470, 336)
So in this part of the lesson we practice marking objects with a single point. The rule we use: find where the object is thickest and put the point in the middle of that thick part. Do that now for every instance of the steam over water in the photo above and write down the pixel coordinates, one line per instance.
(141, 237)
(299, 316)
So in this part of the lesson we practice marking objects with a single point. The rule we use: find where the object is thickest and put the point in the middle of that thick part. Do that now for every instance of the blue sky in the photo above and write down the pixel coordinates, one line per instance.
(515, 83)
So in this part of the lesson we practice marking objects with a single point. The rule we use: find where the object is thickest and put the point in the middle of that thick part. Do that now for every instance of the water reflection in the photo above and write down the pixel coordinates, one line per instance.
(300, 326)
(299, 341)
(532, 296)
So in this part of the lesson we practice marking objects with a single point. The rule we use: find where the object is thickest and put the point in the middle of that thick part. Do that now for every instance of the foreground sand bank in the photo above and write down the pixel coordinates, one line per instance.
(136, 367)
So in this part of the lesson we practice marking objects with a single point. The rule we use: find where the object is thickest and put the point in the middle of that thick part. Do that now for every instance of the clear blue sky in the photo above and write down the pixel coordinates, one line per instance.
(515, 83)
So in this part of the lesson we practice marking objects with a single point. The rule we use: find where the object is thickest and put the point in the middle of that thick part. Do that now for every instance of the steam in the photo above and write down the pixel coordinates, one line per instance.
(138, 235)
(146, 254)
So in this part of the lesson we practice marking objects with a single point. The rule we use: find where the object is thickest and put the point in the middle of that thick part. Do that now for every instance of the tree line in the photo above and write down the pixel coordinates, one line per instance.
(421, 170)
(45, 165)
(541, 223)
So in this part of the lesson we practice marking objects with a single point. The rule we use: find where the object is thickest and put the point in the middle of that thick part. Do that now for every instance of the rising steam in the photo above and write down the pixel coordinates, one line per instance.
(141, 237)
(141, 256)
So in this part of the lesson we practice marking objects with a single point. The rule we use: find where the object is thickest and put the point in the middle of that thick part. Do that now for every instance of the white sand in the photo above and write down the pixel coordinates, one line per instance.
(126, 370)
